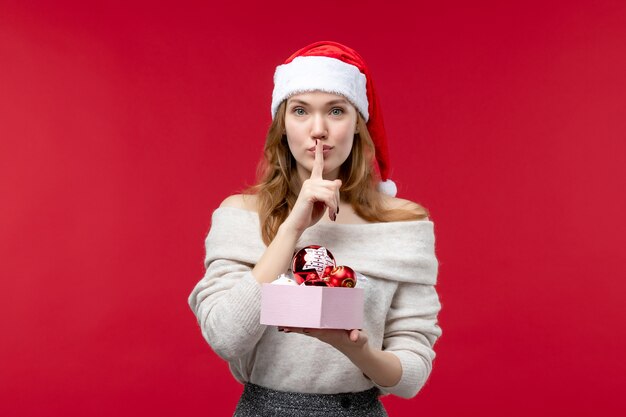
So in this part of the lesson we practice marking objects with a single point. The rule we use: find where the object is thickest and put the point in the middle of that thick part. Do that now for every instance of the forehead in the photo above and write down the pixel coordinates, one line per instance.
(318, 97)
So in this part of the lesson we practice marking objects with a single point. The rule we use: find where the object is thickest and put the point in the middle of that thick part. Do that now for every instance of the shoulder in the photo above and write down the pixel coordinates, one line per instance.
(395, 203)
(241, 201)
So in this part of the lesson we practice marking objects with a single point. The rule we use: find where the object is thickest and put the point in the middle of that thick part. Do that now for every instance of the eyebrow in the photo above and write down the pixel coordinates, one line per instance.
(330, 103)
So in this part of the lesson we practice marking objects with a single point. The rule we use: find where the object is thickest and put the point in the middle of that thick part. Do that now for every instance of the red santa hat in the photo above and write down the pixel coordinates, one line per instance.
(335, 68)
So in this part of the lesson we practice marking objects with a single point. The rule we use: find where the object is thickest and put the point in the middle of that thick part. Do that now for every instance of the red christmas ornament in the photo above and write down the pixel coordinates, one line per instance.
(327, 271)
(311, 262)
(342, 276)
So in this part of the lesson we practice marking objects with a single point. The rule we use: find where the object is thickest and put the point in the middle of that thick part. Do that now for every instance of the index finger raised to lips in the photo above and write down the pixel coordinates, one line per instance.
(318, 163)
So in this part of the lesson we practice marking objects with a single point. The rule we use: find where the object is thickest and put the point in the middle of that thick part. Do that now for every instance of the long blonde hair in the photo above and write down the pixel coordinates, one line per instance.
(278, 183)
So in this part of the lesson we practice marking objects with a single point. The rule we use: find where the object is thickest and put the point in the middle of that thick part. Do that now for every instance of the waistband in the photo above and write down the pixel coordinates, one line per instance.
(288, 399)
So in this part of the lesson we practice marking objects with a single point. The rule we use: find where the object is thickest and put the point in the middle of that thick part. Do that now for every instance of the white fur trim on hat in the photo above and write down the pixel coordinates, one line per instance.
(331, 75)
(388, 187)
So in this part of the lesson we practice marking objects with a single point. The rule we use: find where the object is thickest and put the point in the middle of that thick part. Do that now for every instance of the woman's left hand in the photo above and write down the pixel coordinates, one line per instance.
(343, 340)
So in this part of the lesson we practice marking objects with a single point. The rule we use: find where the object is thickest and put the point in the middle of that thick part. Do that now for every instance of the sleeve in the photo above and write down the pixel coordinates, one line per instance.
(227, 305)
(411, 330)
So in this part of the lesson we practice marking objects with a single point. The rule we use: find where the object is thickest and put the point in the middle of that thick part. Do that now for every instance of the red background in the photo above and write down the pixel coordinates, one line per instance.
(124, 125)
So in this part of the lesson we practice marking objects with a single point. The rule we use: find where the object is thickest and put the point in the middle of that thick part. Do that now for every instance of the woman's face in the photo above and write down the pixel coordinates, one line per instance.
(327, 117)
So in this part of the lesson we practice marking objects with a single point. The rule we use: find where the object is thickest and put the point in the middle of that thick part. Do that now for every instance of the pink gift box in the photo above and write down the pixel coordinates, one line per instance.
(312, 307)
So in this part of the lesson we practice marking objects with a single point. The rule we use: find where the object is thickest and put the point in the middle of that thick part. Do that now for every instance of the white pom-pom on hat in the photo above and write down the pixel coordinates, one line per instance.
(388, 187)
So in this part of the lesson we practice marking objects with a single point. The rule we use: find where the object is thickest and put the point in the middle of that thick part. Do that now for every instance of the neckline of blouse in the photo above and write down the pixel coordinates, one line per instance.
(406, 223)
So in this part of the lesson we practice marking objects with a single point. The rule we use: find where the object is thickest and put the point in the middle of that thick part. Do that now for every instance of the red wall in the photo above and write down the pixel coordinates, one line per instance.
(123, 125)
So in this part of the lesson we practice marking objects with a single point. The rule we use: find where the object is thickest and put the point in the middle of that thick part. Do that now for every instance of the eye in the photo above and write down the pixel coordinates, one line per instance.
(298, 111)
(337, 111)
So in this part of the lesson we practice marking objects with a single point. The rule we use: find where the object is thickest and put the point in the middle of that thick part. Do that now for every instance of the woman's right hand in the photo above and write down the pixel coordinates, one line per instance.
(315, 195)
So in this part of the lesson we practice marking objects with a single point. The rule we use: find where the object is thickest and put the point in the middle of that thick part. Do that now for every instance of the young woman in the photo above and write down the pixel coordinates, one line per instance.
(323, 181)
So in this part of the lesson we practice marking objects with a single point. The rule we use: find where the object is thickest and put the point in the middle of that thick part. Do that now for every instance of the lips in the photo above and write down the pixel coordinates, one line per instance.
(325, 148)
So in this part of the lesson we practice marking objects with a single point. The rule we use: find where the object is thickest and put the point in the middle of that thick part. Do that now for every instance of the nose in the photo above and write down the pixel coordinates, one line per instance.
(319, 129)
